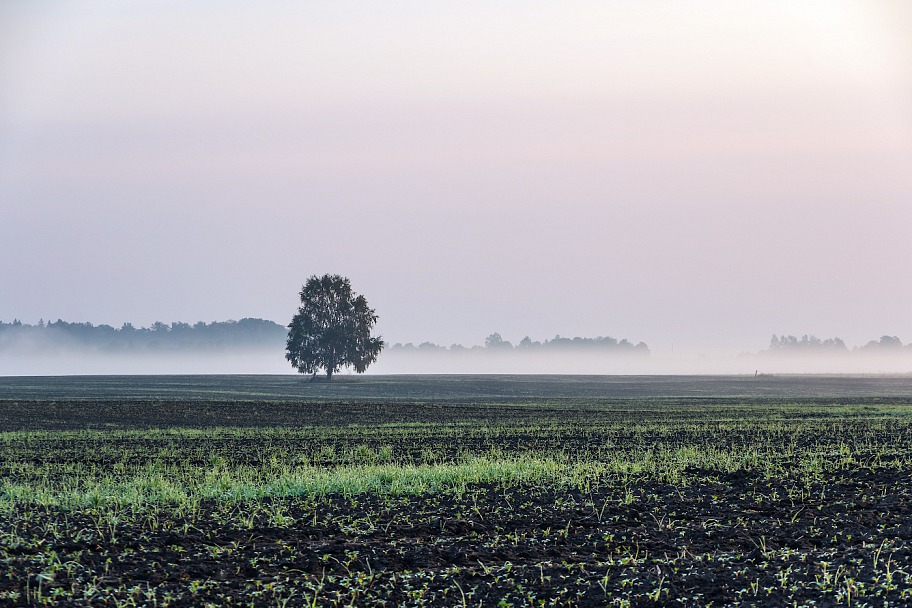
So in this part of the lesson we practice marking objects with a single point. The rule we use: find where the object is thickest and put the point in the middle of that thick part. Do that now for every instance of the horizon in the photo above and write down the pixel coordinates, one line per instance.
(257, 346)
(512, 342)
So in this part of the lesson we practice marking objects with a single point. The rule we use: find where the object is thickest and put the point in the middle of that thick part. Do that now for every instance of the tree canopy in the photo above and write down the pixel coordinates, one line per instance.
(332, 328)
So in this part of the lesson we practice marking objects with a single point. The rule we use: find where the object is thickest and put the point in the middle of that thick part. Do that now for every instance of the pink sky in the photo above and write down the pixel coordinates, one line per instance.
(702, 174)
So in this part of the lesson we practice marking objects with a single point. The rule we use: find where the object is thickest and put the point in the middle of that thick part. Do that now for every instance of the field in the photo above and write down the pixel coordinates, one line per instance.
(456, 491)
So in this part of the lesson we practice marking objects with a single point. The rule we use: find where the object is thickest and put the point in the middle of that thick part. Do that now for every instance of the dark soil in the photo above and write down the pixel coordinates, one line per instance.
(467, 388)
(139, 413)
(734, 539)
(802, 534)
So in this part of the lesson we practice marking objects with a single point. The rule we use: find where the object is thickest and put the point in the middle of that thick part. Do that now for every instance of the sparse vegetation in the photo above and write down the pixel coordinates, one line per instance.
(512, 501)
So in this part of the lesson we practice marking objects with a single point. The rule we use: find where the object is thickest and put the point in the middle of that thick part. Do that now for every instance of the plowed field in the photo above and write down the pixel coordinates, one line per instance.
(535, 496)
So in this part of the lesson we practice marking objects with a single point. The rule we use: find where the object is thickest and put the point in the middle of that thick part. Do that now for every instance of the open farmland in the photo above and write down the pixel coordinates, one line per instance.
(522, 491)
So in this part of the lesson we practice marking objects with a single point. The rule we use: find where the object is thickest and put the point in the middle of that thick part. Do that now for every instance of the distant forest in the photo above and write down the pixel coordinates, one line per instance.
(813, 345)
(496, 343)
(248, 334)
(263, 335)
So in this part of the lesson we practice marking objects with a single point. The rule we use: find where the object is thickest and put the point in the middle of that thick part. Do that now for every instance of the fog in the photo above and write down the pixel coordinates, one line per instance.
(83, 363)
(260, 362)
(515, 363)
(257, 346)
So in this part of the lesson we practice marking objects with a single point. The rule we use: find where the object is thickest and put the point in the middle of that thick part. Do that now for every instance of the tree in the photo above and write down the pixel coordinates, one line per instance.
(332, 328)
(496, 341)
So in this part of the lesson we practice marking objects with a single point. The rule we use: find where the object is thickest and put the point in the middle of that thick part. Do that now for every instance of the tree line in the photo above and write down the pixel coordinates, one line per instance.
(812, 344)
(496, 343)
(260, 333)
(248, 333)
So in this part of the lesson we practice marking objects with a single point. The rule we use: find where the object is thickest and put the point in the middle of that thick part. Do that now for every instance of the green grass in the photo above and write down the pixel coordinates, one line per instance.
(133, 467)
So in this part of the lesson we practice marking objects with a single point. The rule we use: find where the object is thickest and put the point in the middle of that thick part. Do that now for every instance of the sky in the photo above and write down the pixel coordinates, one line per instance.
(694, 175)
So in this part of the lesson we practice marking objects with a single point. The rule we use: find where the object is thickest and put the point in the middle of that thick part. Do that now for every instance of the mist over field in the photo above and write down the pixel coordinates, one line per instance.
(76, 363)
(257, 346)
(747, 364)
(34, 357)
(271, 363)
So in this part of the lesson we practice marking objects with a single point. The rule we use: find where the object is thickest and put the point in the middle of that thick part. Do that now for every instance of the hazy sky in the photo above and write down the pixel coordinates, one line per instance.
(701, 173)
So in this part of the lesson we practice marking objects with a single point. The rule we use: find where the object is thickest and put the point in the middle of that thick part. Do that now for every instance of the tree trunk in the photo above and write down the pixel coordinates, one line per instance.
(329, 374)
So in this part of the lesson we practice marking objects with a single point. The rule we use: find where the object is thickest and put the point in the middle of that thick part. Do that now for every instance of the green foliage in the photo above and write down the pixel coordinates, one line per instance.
(332, 328)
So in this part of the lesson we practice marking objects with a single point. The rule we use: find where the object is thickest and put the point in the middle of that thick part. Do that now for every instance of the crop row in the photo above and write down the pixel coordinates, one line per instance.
(844, 539)
(758, 506)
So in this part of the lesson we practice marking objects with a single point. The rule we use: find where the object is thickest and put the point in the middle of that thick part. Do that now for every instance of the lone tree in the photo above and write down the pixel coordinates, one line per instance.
(332, 328)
